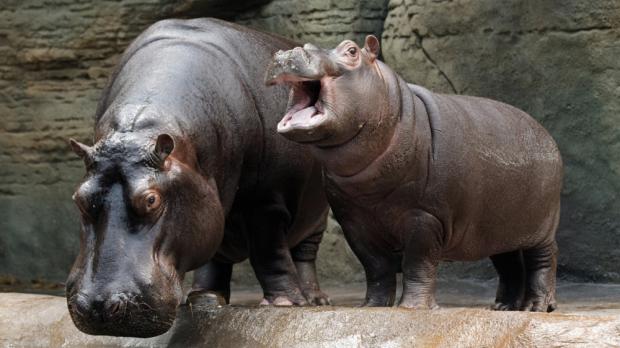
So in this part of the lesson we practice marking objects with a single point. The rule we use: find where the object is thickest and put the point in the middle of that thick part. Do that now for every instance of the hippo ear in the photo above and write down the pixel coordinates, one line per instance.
(84, 151)
(163, 147)
(372, 46)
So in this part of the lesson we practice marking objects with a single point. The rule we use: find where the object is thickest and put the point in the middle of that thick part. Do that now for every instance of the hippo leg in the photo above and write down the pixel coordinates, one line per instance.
(419, 276)
(380, 280)
(380, 268)
(271, 258)
(214, 278)
(304, 256)
(421, 257)
(511, 288)
(540, 267)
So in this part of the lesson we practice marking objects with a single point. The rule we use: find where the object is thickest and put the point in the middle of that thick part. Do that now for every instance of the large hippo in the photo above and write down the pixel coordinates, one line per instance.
(187, 171)
(416, 177)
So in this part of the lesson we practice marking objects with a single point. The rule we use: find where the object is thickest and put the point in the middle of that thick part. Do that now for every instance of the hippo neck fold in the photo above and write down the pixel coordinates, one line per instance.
(389, 122)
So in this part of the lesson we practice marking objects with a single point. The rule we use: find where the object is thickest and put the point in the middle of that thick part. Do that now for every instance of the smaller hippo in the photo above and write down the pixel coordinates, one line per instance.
(416, 177)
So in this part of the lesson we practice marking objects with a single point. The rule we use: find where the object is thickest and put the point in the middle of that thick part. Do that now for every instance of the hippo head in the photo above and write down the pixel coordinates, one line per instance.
(147, 217)
(330, 100)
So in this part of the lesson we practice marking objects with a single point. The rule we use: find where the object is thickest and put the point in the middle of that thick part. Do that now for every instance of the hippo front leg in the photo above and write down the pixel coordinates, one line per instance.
(304, 256)
(380, 282)
(421, 256)
(380, 266)
(271, 259)
(212, 280)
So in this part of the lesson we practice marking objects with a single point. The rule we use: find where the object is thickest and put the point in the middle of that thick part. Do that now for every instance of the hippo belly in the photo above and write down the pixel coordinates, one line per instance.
(502, 192)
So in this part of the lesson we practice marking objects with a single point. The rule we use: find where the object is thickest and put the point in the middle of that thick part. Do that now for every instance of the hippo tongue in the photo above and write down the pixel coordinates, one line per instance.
(300, 118)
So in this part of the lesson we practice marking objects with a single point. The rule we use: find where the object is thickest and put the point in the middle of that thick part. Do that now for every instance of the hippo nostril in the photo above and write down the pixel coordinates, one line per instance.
(80, 305)
(115, 305)
(113, 308)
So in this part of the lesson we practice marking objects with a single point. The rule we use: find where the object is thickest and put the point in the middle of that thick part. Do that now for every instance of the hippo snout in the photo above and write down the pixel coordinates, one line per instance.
(120, 315)
(299, 64)
(99, 309)
(121, 312)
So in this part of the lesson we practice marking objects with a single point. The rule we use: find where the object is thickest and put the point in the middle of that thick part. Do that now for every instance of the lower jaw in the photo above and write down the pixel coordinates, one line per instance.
(304, 139)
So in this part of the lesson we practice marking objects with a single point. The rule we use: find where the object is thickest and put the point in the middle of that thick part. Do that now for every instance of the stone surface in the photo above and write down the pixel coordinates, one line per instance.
(556, 60)
(586, 319)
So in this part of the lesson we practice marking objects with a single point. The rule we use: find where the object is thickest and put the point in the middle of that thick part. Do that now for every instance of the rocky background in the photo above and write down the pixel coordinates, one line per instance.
(558, 60)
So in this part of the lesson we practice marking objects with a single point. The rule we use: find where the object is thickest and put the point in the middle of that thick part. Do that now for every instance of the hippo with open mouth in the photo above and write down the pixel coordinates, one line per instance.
(416, 177)
(186, 172)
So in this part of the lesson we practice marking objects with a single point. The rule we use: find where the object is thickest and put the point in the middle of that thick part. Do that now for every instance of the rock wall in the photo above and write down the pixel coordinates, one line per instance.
(558, 61)
(323, 22)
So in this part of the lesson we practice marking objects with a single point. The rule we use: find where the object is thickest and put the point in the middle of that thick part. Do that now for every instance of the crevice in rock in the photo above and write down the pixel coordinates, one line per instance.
(432, 61)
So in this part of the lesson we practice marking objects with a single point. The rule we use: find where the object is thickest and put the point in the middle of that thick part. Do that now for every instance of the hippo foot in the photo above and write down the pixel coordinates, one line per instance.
(508, 303)
(205, 298)
(427, 305)
(283, 301)
(388, 302)
(433, 307)
(506, 306)
(539, 305)
(317, 298)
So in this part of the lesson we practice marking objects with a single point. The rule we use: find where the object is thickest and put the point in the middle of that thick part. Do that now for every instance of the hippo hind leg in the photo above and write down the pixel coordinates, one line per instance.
(304, 256)
(511, 287)
(540, 267)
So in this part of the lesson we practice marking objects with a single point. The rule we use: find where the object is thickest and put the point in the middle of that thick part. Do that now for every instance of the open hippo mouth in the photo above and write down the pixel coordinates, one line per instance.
(307, 117)
(305, 109)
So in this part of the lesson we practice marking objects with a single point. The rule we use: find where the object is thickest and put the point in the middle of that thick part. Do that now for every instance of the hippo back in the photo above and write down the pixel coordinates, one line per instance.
(202, 79)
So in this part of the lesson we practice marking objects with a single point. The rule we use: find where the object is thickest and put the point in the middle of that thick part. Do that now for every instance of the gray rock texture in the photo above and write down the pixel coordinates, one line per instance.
(556, 60)
(43, 321)
(323, 22)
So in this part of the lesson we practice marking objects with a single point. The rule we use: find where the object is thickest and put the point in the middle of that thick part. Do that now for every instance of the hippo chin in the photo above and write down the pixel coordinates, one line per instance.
(183, 176)
(416, 177)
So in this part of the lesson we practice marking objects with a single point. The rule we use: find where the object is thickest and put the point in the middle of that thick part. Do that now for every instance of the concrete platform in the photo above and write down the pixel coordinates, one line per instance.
(589, 316)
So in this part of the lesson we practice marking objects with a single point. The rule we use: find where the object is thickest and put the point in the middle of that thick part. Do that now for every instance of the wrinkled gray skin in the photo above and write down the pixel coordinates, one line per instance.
(416, 177)
(187, 172)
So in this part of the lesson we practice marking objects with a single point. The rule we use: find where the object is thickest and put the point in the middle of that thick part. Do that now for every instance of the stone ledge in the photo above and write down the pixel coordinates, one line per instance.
(28, 320)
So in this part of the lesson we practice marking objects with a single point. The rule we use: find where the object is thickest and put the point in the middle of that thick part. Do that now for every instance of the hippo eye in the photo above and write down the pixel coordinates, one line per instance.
(352, 51)
(153, 201)
(86, 207)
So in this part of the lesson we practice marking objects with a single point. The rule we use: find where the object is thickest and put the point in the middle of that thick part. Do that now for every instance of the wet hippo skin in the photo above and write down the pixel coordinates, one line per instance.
(415, 177)
(186, 172)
